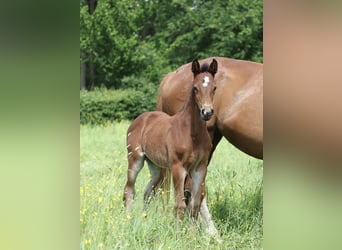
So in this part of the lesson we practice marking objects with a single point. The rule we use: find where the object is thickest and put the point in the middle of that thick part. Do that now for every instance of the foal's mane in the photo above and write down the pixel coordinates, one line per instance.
(204, 67)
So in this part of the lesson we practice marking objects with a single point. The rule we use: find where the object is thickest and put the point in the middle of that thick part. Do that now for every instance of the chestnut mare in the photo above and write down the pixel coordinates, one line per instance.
(238, 107)
(180, 143)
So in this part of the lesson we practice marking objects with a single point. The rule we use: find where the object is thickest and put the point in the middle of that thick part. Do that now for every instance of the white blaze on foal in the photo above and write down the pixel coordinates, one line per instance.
(205, 81)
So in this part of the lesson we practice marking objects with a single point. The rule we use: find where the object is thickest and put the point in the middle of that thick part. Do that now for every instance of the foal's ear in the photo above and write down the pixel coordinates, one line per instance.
(196, 68)
(213, 67)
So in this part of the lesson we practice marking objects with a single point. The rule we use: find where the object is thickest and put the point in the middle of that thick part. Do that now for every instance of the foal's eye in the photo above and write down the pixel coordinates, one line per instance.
(195, 89)
(214, 88)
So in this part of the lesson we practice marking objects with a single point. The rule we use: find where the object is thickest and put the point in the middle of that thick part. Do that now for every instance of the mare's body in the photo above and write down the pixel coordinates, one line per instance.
(238, 103)
(238, 106)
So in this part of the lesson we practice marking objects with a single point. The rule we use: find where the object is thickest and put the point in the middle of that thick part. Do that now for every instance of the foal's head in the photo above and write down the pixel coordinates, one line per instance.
(204, 87)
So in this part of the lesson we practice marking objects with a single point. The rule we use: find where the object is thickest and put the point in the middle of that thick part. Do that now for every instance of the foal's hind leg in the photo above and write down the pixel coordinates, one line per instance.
(155, 172)
(135, 164)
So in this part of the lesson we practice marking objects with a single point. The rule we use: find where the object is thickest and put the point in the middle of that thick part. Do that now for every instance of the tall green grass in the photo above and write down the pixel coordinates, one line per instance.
(234, 196)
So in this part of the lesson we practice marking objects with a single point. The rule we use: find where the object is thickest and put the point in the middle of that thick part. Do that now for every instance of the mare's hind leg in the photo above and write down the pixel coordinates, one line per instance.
(155, 172)
(135, 164)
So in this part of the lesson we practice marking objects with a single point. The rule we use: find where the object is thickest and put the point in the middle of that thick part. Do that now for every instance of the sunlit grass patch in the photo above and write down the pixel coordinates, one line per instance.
(234, 196)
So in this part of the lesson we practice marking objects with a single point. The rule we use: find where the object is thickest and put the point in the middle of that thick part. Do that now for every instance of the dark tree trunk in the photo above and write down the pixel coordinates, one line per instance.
(91, 73)
(83, 72)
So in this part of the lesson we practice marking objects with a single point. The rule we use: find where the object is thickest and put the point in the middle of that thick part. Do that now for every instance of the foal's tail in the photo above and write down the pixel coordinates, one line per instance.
(165, 185)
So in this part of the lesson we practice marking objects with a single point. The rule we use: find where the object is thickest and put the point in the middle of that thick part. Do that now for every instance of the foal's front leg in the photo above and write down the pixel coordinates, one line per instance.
(178, 174)
(198, 189)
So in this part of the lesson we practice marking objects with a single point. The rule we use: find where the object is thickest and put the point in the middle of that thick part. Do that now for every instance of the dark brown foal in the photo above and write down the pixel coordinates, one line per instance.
(180, 143)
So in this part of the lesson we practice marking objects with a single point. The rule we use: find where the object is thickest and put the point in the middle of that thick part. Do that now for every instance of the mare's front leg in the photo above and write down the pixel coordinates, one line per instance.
(179, 174)
(198, 189)
(205, 215)
(135, 164)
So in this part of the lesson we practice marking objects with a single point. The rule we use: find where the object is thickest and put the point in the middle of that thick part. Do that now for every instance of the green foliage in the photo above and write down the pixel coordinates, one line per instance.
(108, 38)
(146, 39)
(102, 106)
(201, 29)
(234, 197)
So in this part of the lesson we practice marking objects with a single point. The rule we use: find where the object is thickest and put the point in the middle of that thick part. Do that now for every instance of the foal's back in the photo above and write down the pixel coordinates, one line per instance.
(148, 133)
(163, 139)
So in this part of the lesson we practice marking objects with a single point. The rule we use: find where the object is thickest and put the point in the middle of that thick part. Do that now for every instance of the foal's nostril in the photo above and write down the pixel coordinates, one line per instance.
(207, 113)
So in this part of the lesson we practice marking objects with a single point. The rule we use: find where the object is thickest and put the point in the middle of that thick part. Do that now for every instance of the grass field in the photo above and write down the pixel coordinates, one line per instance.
(234, 196)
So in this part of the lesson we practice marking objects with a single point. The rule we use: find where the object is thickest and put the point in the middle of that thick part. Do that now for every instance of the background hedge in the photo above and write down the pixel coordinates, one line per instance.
(102, 105)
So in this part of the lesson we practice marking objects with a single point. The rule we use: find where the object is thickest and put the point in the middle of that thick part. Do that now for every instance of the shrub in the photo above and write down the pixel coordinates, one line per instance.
(102, 106)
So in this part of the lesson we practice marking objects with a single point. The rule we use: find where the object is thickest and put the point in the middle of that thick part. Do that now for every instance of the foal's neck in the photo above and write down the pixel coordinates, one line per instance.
(191, 116)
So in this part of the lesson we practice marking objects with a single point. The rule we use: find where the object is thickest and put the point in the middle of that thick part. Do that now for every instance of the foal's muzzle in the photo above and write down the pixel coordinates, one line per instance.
(206, 112)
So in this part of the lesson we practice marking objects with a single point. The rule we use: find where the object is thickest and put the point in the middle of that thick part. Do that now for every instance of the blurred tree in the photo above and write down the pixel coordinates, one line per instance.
(231, 28)
(132, 43)
(91, 8)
